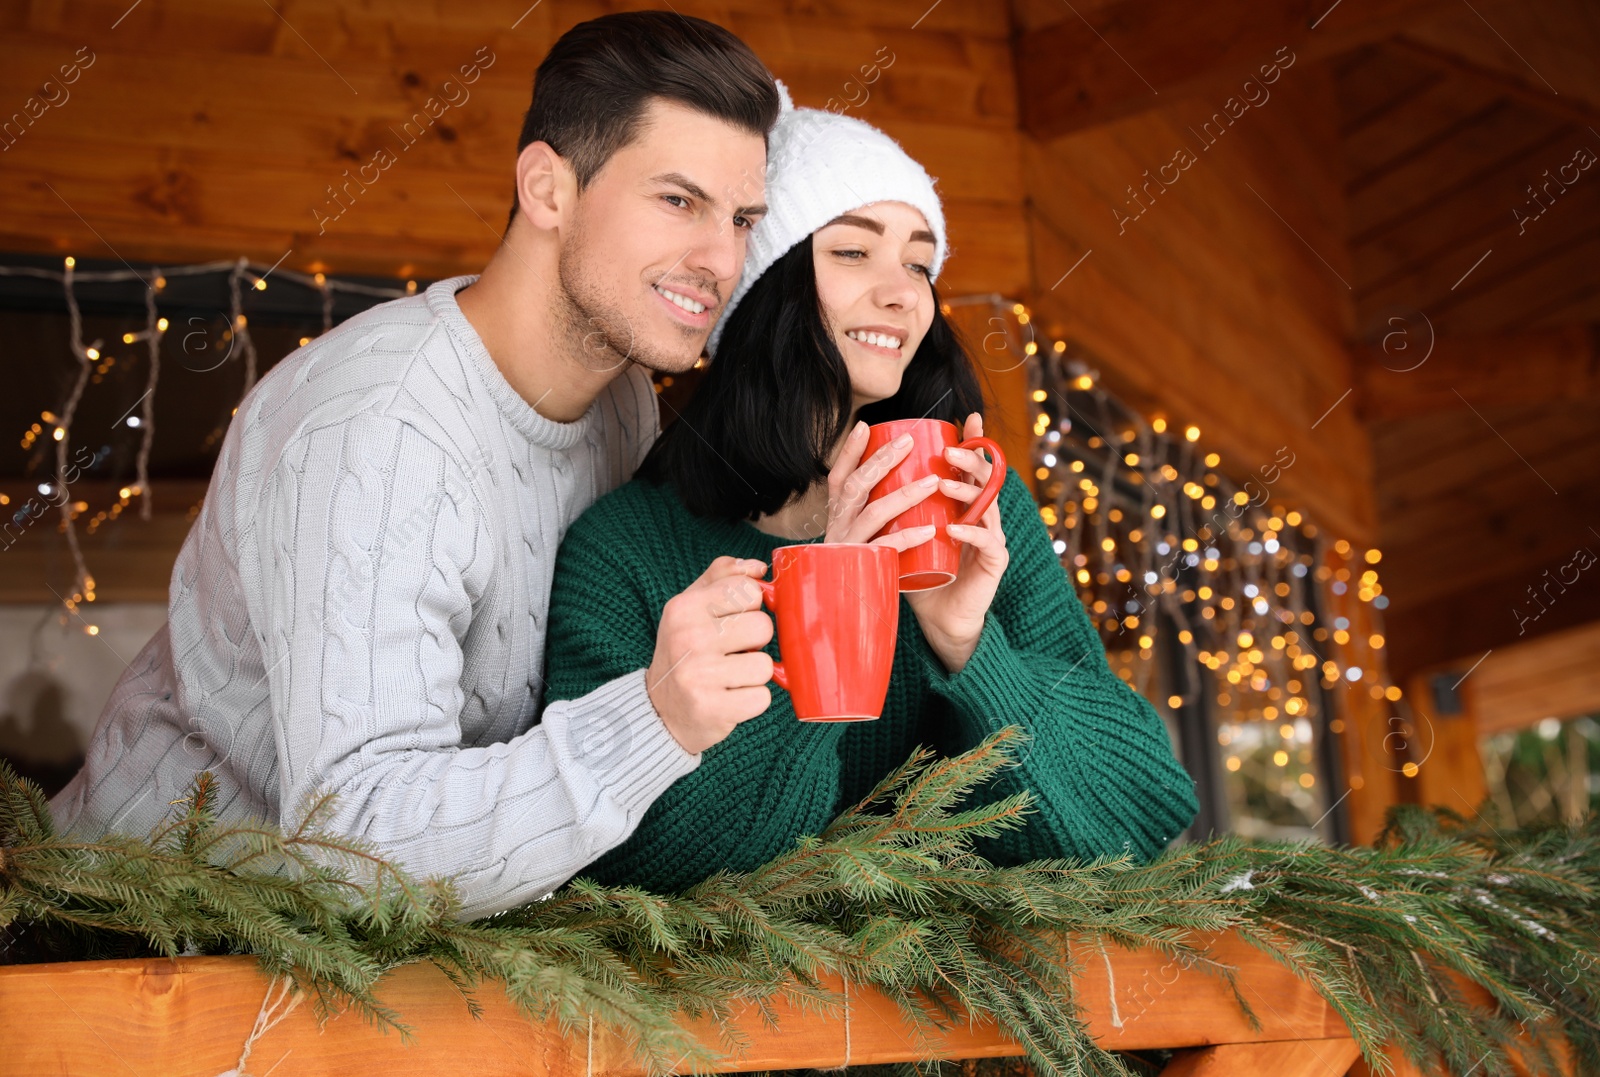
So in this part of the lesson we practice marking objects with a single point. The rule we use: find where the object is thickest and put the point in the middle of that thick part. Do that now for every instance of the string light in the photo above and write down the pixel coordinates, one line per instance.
(1256, 594)
(94, 363)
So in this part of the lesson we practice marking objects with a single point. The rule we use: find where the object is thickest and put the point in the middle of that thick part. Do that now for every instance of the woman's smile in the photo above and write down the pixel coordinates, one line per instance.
(877, 341)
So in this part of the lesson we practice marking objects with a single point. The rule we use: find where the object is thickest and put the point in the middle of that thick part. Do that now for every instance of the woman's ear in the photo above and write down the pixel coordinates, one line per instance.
(547, 187)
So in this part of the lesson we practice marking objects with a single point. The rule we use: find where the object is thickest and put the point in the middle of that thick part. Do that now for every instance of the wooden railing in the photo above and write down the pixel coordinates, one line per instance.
(191, 1017)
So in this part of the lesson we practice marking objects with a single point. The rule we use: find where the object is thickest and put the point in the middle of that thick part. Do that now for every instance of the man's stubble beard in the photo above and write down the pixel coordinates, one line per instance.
(598, 332)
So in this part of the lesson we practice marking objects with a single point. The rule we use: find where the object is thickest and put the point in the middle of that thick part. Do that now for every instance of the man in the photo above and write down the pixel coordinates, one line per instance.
(360, 607)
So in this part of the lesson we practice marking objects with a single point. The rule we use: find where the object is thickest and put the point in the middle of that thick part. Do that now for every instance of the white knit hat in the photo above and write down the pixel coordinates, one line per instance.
(820, 165)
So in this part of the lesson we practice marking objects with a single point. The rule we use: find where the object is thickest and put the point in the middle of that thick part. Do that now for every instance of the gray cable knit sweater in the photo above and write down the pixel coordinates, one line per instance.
(360, 608)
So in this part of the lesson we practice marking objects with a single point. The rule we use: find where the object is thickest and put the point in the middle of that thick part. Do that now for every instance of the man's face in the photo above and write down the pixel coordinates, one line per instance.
(657, 239)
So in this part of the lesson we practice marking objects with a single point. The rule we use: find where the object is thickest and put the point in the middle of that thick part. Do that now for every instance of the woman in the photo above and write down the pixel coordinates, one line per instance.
(836, 325)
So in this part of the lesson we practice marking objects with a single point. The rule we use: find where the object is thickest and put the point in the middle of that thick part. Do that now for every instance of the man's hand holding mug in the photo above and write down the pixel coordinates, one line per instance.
(709, 672)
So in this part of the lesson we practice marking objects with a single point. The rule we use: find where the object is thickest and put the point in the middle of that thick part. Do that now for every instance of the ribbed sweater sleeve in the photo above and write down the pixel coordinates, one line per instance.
(1099, 763)
(368, 534)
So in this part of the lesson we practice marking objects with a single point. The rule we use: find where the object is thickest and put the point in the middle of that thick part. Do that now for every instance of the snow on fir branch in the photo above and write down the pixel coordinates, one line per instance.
(890, 895)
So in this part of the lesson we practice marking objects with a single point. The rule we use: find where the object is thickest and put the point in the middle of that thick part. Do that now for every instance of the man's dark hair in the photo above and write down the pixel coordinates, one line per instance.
(591, 91)
(775, 400)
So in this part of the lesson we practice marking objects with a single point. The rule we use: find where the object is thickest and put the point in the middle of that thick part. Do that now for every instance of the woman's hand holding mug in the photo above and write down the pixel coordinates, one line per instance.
(851, 517)
(951, 616)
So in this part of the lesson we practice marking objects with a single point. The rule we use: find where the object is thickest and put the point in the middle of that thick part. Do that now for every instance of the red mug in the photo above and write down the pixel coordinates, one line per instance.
(933, 563)
(837, 607)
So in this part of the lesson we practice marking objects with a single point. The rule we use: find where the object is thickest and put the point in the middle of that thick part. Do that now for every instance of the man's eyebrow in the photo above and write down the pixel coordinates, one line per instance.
(678, 179)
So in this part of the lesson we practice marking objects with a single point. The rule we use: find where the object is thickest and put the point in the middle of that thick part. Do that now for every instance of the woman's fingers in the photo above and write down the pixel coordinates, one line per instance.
(960, 491)
(851, 479)
(973, 463)
(905, 540)
(844, 466)
(877, 514)
(855, 518)
(967, 492)
(988, 542)
(884, 460)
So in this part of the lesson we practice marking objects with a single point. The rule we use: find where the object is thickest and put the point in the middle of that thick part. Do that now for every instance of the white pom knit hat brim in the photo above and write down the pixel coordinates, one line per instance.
(821, 165)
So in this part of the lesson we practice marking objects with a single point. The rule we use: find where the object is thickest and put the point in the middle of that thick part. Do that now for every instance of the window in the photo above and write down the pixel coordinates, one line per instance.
(1206, 593)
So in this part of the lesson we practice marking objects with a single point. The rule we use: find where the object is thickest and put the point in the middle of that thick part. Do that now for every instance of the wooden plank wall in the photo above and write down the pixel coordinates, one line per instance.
(196, 131)
(1214, 305)
(1220, 296)
(1210, 307)
(214, 129)
(1489, 538)
(1552, 677)
(1485, 458)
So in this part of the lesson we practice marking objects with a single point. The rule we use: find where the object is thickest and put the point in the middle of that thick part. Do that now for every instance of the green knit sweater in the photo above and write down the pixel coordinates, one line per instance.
(1099, 763)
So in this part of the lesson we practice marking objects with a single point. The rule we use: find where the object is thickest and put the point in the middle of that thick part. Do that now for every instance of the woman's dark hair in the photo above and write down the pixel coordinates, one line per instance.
(775, 400)
(591, 90)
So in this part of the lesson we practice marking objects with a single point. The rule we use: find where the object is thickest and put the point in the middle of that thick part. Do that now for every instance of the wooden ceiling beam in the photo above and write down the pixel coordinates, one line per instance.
(1419, 259)
(1487, 371)
(1373, 82)
(1516, 294)
(1124, 58)
(1575, 109)
(1469, 538)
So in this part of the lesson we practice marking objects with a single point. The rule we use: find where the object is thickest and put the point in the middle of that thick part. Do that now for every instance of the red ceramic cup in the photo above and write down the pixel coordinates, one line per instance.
(837, 607)
(933, 563)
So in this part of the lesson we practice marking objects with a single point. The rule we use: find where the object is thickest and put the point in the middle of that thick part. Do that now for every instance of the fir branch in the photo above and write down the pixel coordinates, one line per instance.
(893, 895)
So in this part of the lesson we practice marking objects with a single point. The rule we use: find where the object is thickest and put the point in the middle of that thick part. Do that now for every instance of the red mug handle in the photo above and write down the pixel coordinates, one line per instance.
(997, 479)
(769, 595)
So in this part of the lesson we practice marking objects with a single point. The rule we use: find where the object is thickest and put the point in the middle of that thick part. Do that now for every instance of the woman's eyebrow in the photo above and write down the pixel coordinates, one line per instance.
(921, 235)
(875, 227)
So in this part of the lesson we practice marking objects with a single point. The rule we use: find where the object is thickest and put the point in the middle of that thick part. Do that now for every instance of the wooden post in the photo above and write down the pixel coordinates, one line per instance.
(1507, 688)
(1452, 773)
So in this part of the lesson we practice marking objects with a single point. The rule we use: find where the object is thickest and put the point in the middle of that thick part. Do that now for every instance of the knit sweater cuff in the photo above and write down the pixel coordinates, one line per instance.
(615, 733)
(990, 681)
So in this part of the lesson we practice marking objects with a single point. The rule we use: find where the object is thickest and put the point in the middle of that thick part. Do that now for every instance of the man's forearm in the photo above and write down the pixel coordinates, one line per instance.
(508, 823)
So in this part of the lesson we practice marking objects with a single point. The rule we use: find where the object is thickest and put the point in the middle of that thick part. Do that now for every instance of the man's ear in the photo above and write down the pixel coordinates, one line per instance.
(547, 187)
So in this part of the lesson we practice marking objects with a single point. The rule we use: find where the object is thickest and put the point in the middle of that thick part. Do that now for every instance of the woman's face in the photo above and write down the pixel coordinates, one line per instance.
(872, 277)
